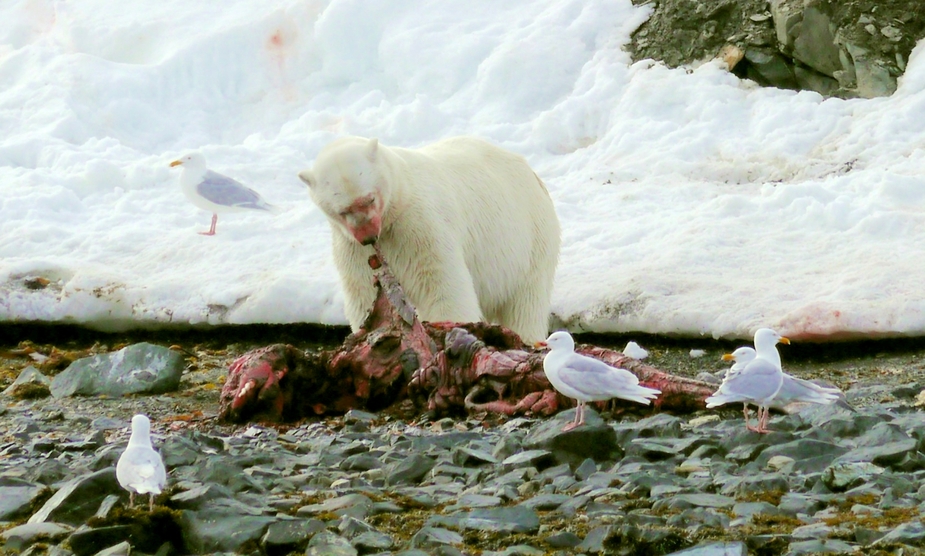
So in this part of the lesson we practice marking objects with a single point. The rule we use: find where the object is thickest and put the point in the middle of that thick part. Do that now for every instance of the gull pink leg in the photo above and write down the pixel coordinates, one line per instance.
(211, 231)
(579, 417)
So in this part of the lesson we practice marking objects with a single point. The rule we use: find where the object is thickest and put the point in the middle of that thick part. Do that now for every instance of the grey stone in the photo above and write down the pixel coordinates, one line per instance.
(87, 541)
(769, 68)
(329, 544)
(372, 541)
(814, 44)
(843, 476)
(748, 509)
(432, 537)
(514, 519)
(22, 536)
(78, 499)
(531, 458)
(284, 536)
(563, 539)
(586, 469)
(912, 532)
(135, 369)
(594, 439)
(358, 416)
(16, 497)
(819, 546)
(594, 541)
(336, 504)
(361, 462)
(810, 456)
(124, 548)
(29, 375)
(873, 79)
(470, 457)
(546, 502)
(475, 501)
(197, 497)
(409, 470)
(178, 450)
(714, 549)
(696, 500)
(214, 531)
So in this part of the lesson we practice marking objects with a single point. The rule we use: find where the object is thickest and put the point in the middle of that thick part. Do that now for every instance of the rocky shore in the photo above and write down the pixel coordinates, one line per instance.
(842, 478)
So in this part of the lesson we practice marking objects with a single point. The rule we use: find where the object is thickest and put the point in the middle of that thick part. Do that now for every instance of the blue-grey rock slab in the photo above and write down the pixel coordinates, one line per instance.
(475, 501)
(695, 500)
(409, 470)
(285, 535)
(78, 499)
(85, 542)
(472, 456)
(29, 375)
(820, 546)
(810, 456)
(886, 454)
(843, 476)
(197, 497)
(329, 544)
(513, 519)
(595, 439)
(563, 539)
(212, 531)
(735, 548)
(124, 548)
(432, 537)
(546, 502)
(912, 532)
(594, 541)
(135, 369)
(16, 496)
(372, 542)
(21, 536)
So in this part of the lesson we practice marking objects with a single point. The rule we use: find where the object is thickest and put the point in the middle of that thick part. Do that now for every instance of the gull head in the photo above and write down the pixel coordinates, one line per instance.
(743, 354)
(191, 161)
(141, 428)
(558, 341)
(767, 338)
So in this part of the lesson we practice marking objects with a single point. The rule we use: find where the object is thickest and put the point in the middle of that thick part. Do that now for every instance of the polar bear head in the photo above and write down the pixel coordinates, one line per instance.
(348, 184)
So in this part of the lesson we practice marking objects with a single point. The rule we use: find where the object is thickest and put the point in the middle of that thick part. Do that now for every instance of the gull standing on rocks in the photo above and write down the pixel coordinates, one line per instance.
(758, 381)
(140, 469)
(792, 389)
(214, 192)
(587, 379)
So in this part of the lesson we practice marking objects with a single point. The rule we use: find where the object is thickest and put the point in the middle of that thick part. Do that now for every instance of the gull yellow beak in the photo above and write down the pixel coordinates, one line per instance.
(728, 357)
(784, 340)
(538, 345)
(176, 163)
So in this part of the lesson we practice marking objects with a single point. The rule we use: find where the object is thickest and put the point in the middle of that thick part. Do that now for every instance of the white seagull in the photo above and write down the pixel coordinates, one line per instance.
(214, 192)
(757, 382)
(140, 469)
(587, 379)
(792, 389)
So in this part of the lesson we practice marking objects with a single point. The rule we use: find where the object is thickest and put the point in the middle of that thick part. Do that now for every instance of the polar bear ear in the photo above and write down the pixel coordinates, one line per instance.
(307, 177)
(372, 148)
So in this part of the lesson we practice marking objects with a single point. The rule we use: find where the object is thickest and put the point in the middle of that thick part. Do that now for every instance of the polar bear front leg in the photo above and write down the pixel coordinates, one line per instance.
(356, 278)
(437, 283)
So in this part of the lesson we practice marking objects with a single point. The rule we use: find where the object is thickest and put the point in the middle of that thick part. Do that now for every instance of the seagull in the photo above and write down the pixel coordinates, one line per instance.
(587, 379)
(140, 469)
(758, 381)
(792, 389)
(214, 192)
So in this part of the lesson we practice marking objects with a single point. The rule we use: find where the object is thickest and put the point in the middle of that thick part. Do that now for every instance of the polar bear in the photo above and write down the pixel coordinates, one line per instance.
(468, 229)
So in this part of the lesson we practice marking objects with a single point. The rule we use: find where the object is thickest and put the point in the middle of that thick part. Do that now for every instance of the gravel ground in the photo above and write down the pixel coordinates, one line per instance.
(830, 479)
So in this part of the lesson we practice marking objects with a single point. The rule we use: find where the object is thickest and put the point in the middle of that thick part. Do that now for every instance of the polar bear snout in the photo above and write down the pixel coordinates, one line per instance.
(363, 219)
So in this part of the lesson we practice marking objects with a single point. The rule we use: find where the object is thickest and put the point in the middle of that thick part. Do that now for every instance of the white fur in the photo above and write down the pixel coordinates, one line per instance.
(468, 229)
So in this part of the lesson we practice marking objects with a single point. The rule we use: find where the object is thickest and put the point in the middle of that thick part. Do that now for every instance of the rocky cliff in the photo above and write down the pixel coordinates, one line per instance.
(843, 48)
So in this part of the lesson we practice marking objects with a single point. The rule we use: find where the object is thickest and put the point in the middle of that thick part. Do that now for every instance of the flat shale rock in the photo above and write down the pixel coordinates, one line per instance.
(135, 369)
